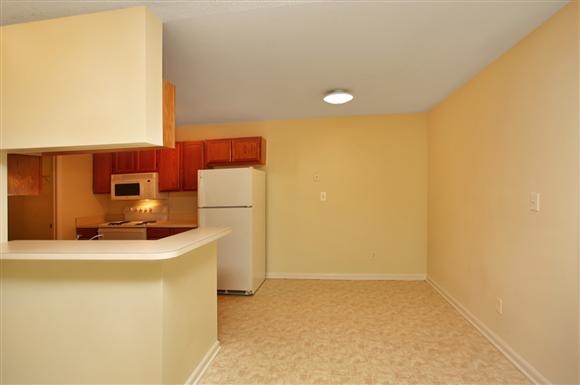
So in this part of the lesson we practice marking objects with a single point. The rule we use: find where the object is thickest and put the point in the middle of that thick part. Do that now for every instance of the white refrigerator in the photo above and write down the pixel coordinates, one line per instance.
(236, 197)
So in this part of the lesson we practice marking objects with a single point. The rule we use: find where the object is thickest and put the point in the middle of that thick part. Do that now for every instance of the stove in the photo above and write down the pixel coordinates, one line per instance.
(127, 223)
(134, 224)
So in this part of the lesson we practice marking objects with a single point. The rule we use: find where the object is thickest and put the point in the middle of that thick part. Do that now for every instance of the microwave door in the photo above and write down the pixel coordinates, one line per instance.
(126, 190)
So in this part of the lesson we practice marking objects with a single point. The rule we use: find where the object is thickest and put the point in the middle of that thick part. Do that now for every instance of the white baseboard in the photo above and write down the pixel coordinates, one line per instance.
(200, 369)
(524, 366)
(349, 277)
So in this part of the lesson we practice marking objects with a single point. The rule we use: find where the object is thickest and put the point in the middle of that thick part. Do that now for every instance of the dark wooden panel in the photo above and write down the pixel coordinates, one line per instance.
(24, 174)
(85, 233)
(177, 230)
(146, 161)
(192, 155)
(158, 232)
(169, 167)
(218, 151)
(249, 150)
(124, 162)
(102, 169)
(162, 232)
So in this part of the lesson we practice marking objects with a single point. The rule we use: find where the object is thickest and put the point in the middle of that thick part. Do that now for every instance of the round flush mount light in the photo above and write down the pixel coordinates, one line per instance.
(338, 97)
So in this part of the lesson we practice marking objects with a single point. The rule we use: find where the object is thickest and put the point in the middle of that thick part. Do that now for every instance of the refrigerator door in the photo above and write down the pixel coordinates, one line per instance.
(235, 251)
(227, 187)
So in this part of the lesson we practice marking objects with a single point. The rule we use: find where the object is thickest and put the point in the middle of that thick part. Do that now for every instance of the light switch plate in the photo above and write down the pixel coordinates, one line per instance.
(535, 201)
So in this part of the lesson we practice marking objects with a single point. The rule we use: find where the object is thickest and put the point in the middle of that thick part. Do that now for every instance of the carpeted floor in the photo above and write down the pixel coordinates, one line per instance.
(351, 332)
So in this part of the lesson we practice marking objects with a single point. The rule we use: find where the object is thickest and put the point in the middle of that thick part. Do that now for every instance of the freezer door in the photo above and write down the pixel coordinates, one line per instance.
(235, 265)
(227, 187)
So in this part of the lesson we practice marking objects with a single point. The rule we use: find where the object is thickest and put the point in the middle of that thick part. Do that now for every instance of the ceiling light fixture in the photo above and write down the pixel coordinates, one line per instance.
(338, 97)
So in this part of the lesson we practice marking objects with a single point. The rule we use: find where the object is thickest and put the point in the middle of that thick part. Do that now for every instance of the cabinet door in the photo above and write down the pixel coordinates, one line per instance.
(192, 160)
(124, 162)
(179, 230)
(218, 151)
(24, 174)
(85, 233)
(102, 170)
(248, 150)
(146, 161)
(158, 232)
(169, 167)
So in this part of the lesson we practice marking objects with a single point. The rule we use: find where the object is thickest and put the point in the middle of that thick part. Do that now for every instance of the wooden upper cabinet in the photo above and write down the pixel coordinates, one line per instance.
(218, 151)
(102, 170)
(168, 114)
(169, 167)
(249, 150)
(24, 174)
(192, 160)
(146, 161)
(124, 162)
(128, 162)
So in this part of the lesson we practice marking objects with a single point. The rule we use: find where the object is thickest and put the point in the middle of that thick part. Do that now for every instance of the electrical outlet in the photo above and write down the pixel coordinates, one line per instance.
(316, 177)
(499, 305)
(322, 196)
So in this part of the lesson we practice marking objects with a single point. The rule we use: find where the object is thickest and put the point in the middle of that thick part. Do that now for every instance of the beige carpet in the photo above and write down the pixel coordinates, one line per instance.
(351, 332)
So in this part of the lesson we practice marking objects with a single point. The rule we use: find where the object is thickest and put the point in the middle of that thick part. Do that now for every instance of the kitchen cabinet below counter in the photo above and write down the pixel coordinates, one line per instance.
(155, 232)
(87, 233)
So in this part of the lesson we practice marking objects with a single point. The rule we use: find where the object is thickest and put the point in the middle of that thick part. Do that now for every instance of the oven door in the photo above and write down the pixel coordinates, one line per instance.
(123, 233)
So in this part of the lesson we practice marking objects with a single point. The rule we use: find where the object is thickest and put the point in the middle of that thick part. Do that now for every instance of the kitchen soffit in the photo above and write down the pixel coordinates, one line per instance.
(249, 60)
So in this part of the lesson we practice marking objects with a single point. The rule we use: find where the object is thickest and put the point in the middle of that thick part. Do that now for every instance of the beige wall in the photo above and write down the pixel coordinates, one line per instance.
(510, 131)
(74, 193)
(373, 170)
(86, 81)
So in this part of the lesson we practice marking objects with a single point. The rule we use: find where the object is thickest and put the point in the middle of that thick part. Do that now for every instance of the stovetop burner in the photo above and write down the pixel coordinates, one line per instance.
(117, 223)
(127, 223)
(144, 223)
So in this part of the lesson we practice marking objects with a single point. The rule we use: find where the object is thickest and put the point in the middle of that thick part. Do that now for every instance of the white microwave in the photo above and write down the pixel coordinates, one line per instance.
(136, 186)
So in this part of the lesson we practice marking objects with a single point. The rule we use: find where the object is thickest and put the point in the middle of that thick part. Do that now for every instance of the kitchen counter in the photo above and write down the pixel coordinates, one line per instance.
(131, 250)
(139, 312)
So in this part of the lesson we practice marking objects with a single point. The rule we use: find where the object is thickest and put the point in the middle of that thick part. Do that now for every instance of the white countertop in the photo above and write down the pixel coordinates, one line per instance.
(112, 250)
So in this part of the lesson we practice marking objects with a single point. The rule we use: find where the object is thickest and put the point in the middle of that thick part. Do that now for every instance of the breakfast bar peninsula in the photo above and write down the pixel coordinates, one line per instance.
(109, 311)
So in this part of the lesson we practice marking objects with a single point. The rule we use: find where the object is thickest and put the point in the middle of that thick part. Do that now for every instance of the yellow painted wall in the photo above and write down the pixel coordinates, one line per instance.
(85, 81)
(74, 193)
(373, 170)
(510, 131)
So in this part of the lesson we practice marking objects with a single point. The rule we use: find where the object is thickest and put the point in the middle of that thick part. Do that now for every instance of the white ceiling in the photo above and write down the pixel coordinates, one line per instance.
(262, 60)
